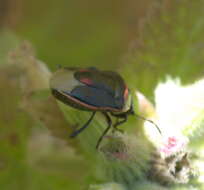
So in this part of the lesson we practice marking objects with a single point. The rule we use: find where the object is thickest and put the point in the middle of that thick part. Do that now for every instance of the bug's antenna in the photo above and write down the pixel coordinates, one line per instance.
(143, 118)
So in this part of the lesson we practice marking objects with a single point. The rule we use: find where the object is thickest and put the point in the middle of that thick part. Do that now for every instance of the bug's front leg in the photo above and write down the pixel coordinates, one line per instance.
(118, 122)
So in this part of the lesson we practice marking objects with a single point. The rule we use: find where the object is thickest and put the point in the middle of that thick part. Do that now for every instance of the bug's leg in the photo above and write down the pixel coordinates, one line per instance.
(108, 119)
(124, 119)
(114, 126)
(75, 133)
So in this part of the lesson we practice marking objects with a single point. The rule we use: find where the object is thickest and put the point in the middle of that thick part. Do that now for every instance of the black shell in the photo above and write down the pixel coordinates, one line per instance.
(89, 89)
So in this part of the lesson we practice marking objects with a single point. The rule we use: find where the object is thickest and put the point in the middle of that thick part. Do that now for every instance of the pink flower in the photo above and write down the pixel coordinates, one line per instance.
(173, 144)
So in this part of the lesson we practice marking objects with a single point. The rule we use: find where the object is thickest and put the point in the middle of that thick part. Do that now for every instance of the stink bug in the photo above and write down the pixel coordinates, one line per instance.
(93, 90)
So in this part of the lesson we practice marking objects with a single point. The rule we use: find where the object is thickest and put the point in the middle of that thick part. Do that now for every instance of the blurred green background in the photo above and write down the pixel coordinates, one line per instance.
(80, 33)
(154, 37)
(144, 40)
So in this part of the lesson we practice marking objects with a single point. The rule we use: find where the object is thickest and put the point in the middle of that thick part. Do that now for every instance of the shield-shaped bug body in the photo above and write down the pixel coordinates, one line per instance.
(93, 90)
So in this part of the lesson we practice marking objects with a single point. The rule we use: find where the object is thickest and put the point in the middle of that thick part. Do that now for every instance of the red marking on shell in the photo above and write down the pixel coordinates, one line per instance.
(126, 93)
(86, 81)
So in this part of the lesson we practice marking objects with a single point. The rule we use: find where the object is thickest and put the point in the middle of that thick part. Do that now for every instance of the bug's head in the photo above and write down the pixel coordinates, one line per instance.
(131, 110)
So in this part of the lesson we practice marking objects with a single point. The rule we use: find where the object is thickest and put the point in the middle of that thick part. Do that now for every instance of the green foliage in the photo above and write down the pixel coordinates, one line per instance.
(170, 42)
(31, 157)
